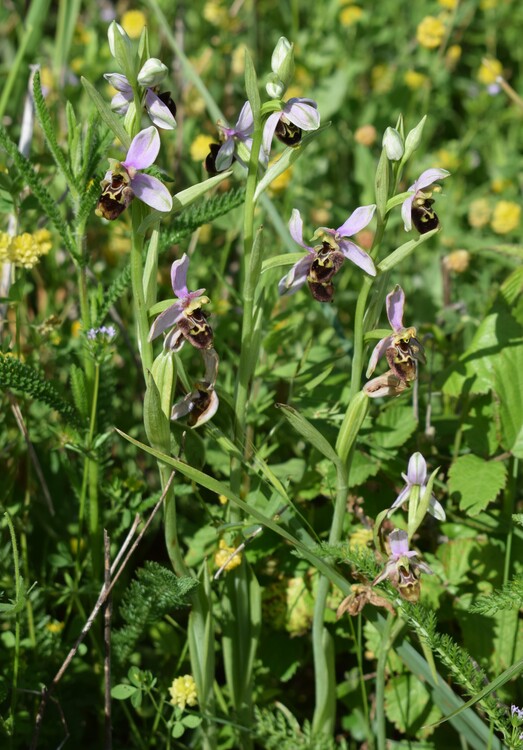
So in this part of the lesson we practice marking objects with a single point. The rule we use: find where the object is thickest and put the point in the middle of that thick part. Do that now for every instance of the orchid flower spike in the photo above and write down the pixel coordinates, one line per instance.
(123, 181)
(159, 106)
(242, 131)
(417, 208)
(324, 260)
(402, 348)
(185, 315)
(402, 568)
(296, 115)
(417, 477)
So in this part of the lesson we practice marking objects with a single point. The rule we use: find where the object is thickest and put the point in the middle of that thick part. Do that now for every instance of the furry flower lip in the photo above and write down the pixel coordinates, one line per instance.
(402, 568)
(184, 316)
(417, 208)
(324, 260)
(123, 181)
(402, 348)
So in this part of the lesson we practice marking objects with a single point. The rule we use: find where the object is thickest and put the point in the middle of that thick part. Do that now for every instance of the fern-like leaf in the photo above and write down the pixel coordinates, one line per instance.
(44, 119)
(22, 377)
(155, 592)
(510, 596)
(35, 182)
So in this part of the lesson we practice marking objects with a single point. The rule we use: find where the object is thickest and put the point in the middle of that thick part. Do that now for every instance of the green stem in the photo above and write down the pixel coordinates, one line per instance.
(383, 653)
(16, 658)
(94, 509)
(140, 308)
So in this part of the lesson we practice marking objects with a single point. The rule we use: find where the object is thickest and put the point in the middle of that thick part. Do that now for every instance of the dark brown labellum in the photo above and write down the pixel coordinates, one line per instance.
(196, 329)
(288, 133)
(200, 404)
(327, 263)
(423, 217)
(404, 367)
(210, 160)
(165, 97)
(115, 197)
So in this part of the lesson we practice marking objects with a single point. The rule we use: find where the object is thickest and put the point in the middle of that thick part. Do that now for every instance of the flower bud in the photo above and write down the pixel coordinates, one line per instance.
(113, 30)
(152, 73)
(413, 138)
(393, 144)
(275, 88)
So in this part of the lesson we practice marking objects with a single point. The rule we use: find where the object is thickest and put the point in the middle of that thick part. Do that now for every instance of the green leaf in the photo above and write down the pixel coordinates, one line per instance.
(177, 730)
(251, 86)
(79, 390)
(381, 186)
(351, 425)
(123, 691)
(475, 482)
(409, 705)
(508, 367)
(110, 119)
(191, 721)
(288, 259)
(156, 423)
(309, 433)
(404, 251)
(396, 200)
(394, 427)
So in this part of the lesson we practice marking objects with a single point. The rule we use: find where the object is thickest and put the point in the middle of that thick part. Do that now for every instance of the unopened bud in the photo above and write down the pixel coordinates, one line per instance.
(152, 73)
(282, 64)
(393, 144)
(275, 88)
(413, 138)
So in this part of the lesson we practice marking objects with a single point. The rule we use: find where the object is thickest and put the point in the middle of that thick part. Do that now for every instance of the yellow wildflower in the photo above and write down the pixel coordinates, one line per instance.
(448, 4)
(200, 147)
(479, 213)
(488, 4)
(223, 500)
(457, 261)
(76, 328)
(499, 184)
(489, 70)
(282, 181)
(238, 60)
(446, 159)
(5, 247)
(132, 23)
(350, 15)
(430, 32)
(382, 78)
(360, 538)
(183, 691)
(214, 12)
(223, 554)
(453, 55)
(506, 217)
(55, 627)
(26, 249)
(415, 80)
(366, 135)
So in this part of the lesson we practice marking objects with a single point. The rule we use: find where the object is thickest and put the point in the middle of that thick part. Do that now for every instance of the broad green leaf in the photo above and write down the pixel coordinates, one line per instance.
(351, 425)
(508, 369)
(475, 482)
(123, 692)
(394, 427)
(409, 705)
(157, 426)
(191, 721)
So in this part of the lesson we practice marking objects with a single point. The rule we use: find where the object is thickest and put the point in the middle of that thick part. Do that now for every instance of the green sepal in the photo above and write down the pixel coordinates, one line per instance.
(423, 504)
(351, 425)
(164, 375)
(404, 251)
(413, 139)
(156, 423)
(381, 186)
(396, 200)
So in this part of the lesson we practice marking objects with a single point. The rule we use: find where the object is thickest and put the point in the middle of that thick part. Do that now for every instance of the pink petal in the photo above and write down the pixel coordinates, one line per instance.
(179, 276)
(399, 542)
(377, 353)
(143, 149)
(296, 229)
(417, 469)
(119, 82)
(406, 212)
(166, 320)
(395, 303)
(159, 112)
(268, 132)
(356, 221)
(151, 191)
(120, 103)
(224, 155)
(297, 276)
(428, 177)
(358, 256)
(303, 113)
(245, 123)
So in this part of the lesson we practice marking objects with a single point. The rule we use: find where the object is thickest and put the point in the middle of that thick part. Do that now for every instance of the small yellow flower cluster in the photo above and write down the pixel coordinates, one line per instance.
(24, 250)
(430, 32)
(360, 538)
(448, 4)
(415, 80)
(479, 213)
(457, 261)
(350, 15)
(223, 555)
(183, 692)
(506, 217)
(489, 70)
(55, 627)
(453, 55)
(200, 147)
(382, 78)
(133, 22)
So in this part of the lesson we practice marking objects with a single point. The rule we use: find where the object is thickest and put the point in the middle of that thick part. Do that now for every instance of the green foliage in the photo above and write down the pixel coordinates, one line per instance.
(278, 729)
(22, 377)
(155, 592)
(510, 596)
(475, 483)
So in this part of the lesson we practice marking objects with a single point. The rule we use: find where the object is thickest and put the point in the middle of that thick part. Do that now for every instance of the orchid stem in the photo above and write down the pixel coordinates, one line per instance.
(140, 308)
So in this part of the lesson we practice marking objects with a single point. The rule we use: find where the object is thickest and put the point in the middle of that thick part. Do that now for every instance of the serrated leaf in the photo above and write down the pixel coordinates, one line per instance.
(409, 705)
(475, 482)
